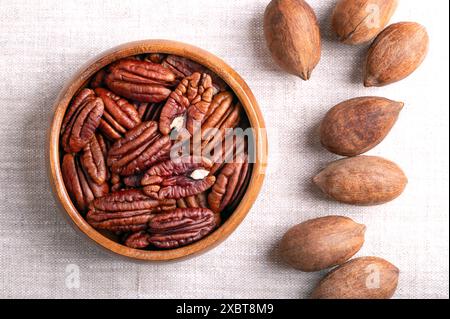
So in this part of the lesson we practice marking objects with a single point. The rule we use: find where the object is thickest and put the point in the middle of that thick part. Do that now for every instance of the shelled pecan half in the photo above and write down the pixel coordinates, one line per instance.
(180, 227)
(189, 103)
(229, 183)
(81, 120)
(127, 210)
(138, 240)
(195, 201)
(140, 81)
(183, 67)
(81, 188)
(150, 111)
(119, 115)
(139, 149)
(93, 159)
(178, 178)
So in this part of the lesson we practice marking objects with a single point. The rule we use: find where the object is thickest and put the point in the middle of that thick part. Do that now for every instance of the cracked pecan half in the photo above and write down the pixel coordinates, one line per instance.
(183, 67)
(229, 185)
(119, 115)
(139, 149)
(140, 81)
(81, 120)
(180, 227)
(81, 188)
(189, 103)
(93, 159)
(125, 211)
(178, 178)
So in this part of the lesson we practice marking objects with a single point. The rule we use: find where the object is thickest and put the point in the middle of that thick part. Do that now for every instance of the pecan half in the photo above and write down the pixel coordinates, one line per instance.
(81, 188)
(139, 240)
(98, 80)
(190, 100)
(141, 147)
(195, 201)
(93, 159)
(228, 153)
(81, 120)
(183, 67)
(180, 227)
(150, 112)
(119, 115)
(178, 178)
(227, 188)
(140, 81)
(128, 210)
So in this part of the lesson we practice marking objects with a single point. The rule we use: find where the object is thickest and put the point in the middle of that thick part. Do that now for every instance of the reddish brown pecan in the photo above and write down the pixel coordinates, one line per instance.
(93, 159)
(230, 182)
(188, 104)
(178, 178)
(127, 210)
(155, 58)
(231, 149)
(197, 201)
(81, 120)
(140, 81)
(141, 147)
(139, 240)
(119, 115)
(81, 188)
(183, 67)
(180, 227)
(98, 80)
(150, 112)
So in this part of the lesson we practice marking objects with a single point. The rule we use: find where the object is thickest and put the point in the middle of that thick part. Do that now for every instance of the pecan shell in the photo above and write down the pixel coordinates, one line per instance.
(93, 159)
(119, 115)
(178, 178)
(127, 210)
(191, 100)
(180, 227)
(229, 186)
(140, 81)
(81, 120)
(81, 188)
(139, 149)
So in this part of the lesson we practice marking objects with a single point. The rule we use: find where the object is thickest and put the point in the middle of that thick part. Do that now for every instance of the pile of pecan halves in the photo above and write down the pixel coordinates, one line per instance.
(117, 151)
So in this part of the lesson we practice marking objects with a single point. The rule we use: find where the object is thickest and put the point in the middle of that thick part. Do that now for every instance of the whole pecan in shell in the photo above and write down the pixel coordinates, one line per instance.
(191, 100)
(81, 188)
(180, 227)
(127, 210)
(140, 81)
(229, 184)
(178, 178)
(183, 67)
(139, 149)
(81, 120)
(93, 159)
(119, 115)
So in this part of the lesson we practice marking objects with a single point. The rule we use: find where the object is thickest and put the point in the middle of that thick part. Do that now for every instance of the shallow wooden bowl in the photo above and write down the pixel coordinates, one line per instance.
(242, 92)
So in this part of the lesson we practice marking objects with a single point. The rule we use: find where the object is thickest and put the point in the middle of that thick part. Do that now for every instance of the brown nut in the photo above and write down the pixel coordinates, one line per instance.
(322, 243)
(360, 278)
(178, 178)
(81, 120)
(81, 188)
(139, 240)
(359, 21)
(127, 210)
(183, 67)
(119, 115)
(180, 227)
(356, 126)
(141, 147)
(362, 180)
(93, 159)
(140, 81)
(188, 104)
(396, 53)
(293, 36)
(230, 181)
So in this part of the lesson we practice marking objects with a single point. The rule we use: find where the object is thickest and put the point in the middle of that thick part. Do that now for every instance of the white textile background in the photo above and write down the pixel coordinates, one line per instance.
(42, 43)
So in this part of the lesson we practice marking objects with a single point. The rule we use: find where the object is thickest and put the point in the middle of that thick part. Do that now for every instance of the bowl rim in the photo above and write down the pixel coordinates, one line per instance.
(237, 85)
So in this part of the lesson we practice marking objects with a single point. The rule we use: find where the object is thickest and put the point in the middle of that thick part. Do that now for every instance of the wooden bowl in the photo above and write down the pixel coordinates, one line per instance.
(241, 90)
